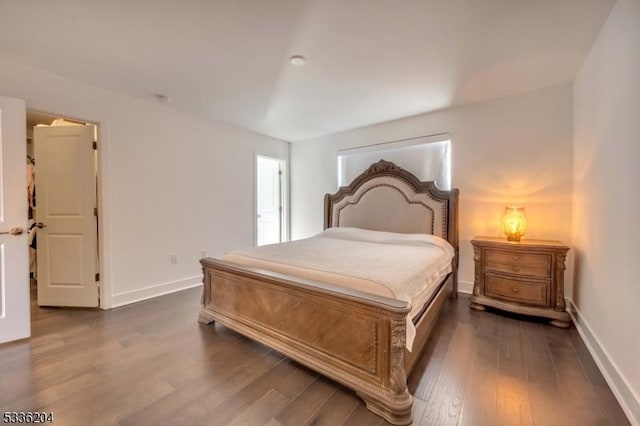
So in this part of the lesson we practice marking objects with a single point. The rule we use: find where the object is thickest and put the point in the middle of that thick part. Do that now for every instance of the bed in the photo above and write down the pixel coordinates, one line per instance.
(364, 338)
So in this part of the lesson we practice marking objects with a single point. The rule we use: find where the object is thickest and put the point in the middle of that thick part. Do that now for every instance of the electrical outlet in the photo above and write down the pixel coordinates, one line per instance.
(203, 253)
(174, 258)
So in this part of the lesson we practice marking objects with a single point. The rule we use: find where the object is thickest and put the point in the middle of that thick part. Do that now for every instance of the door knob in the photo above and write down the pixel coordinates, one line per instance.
(13, 231)
(40, 225)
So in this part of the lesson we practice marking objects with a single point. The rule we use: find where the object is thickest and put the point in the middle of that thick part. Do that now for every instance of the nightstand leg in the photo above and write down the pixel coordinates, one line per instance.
(560, 323)
(477, 307)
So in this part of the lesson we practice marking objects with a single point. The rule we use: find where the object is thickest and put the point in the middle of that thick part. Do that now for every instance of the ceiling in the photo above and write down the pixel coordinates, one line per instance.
(368, 61)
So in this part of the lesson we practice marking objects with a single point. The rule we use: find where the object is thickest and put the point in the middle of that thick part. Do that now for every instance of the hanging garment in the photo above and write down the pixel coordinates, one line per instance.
(31, 186)
(32, 241)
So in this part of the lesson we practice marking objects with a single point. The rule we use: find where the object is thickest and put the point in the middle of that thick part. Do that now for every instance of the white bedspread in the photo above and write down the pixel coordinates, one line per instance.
(405, 267)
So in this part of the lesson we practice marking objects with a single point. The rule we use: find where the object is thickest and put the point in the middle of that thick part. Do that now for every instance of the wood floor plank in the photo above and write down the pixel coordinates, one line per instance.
(600, 386)
(187, 395)
(480, 397)
(511, 354)
(360, 416)
(302, 407)
(541, 375)
(578, 395)
(50, 395)
(419, 407)
(444, 404)
(513, 399)
(261, 411)
(539, 362)
(425, 374)
(170, 406)
(220, 364)
(228, 409)
(296, 382)
(75, 409)
(229, 387)
(20, 384)
(336, 409)
(152, 363)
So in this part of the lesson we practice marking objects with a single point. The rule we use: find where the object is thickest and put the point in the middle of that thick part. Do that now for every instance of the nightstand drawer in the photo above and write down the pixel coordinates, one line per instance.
(537, 265)
(531, 292)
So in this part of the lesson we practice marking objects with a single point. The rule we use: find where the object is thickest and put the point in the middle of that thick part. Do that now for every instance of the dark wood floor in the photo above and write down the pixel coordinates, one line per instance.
(152, 363)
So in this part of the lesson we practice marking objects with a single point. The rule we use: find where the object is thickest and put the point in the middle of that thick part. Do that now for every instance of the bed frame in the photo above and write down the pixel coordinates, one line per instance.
(354, 338)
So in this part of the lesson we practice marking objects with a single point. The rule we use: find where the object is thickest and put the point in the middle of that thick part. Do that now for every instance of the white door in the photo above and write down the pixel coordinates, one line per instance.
(65, 201)
(15, 321)
(268, 200)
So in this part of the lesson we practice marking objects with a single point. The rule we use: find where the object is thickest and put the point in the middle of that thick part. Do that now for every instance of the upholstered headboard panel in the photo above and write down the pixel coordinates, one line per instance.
(386, 197)
(388, 203)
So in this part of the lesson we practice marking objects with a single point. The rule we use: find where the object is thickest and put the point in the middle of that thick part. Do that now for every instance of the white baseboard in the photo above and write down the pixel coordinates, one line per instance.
(128, 297)
(629, 402)
(465, 287)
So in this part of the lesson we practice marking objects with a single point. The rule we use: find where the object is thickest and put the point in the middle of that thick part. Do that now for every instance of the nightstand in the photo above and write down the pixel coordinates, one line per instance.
(525, 277)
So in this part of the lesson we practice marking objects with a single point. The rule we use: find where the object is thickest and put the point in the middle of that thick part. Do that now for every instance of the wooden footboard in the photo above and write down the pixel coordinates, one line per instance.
(354, 338)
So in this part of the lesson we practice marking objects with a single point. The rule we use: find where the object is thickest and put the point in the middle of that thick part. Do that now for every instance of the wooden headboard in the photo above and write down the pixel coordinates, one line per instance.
(386, 197)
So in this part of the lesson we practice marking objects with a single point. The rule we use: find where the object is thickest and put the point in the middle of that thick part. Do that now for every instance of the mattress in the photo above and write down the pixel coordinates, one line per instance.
(405, 267)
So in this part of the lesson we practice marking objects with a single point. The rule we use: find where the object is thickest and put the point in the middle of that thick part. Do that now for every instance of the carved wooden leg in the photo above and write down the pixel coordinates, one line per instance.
(560, 323)
(394, 402)
(399, 414)
(205, 317)
(477, 307)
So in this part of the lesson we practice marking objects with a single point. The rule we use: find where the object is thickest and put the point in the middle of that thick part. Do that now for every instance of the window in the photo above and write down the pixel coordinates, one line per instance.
(428, 157)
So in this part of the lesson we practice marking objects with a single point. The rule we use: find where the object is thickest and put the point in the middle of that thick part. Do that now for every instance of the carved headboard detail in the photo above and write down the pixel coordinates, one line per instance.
(386, 197)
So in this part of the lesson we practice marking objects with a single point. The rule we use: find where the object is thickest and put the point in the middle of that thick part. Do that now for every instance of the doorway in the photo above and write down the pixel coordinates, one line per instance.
(270, 200)
(63, 211)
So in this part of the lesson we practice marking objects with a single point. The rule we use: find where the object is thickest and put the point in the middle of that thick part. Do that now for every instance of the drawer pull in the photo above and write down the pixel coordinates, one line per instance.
(515, 268)
(514, 289)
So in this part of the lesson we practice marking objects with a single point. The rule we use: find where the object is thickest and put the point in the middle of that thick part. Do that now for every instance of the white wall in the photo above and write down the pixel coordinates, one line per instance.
(607, 201)
(172, 182)
(512, 150)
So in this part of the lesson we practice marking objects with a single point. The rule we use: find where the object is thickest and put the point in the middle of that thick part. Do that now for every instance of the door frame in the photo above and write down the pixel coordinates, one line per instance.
(284, 196)
(104, 223)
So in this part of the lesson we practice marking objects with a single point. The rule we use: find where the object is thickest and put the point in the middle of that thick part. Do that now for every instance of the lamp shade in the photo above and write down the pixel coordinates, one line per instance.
(514, 222)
